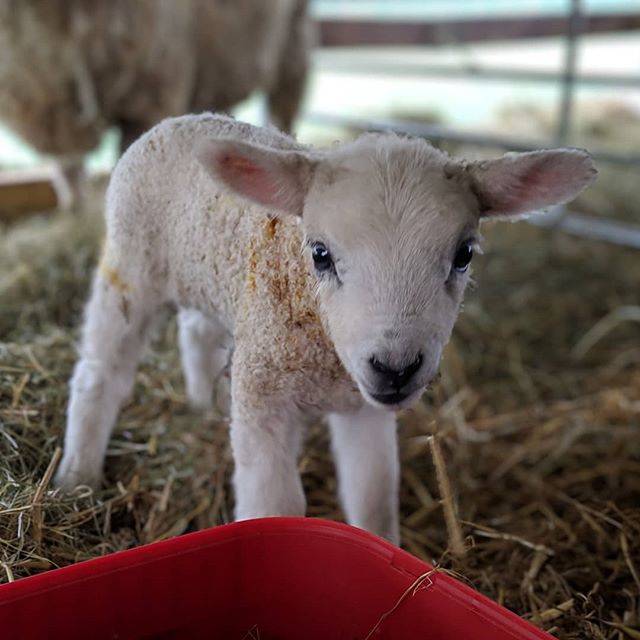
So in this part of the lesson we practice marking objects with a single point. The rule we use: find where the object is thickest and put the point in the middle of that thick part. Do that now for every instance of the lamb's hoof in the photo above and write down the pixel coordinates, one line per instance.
(200, 395)
(70, 476)
(200, 403)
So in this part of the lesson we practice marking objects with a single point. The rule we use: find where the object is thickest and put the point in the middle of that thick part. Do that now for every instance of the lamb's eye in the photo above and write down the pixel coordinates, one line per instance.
(463, 258)
(322, 259)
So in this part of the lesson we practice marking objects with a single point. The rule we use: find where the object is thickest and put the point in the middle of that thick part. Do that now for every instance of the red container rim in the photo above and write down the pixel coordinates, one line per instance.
(464, 598)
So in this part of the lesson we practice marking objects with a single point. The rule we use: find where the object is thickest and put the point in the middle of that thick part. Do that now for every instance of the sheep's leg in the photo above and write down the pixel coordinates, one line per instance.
(204, 355)
(113, 338)
(69, 182)
(285, 95)
(365, 448)
(265, 439)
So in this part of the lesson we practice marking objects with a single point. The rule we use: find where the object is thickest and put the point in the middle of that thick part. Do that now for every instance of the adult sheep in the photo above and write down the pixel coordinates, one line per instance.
(337, 275)
(70, 69)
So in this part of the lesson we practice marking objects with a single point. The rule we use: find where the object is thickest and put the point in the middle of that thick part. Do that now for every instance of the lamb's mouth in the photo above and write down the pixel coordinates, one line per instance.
(390, 398)
(394, 400)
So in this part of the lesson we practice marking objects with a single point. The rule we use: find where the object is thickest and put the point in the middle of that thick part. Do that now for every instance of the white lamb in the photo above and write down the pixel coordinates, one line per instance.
(337, 275)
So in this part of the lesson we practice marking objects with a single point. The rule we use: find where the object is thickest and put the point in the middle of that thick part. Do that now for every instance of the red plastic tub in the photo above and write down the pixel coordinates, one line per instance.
(276, 578)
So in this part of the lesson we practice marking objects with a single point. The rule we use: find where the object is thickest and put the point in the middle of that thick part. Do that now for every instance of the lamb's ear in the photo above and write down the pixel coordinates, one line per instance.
(271, 177)
(521, 183)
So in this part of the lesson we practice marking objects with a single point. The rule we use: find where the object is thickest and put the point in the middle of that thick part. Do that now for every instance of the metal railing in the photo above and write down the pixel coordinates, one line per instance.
(572, 27)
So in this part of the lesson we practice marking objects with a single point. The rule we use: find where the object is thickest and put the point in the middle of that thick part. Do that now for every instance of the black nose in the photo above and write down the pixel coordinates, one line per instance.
(395, 378)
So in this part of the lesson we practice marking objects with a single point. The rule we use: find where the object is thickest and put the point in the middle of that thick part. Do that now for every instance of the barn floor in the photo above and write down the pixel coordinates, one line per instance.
(538, 413)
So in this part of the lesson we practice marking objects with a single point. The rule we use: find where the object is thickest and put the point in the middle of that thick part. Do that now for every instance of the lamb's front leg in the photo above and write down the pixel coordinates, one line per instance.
(265, 439)
(365, 447)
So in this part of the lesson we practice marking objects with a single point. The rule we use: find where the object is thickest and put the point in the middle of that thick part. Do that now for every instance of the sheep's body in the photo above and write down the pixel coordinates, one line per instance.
(351, 336)
(70, 69)
(222, 256)
(175, 236)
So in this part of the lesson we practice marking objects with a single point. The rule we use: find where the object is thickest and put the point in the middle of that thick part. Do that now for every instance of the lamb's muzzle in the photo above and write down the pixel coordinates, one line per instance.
(393, 386)
(336, 276)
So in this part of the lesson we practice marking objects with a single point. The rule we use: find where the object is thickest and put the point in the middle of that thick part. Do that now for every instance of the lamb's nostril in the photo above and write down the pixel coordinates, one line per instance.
(395, 378)
(380, 367)
(409, 371)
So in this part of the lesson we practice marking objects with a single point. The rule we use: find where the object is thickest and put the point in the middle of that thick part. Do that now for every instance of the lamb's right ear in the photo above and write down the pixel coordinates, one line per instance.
(271, 177)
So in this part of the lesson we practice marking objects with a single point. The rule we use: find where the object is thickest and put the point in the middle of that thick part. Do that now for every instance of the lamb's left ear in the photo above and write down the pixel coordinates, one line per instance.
(271, 177)
(520, 183)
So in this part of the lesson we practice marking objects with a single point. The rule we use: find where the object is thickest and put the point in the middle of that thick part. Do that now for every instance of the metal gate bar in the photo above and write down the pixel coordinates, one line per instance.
(572, 26)
(383, 66)
(439, 133)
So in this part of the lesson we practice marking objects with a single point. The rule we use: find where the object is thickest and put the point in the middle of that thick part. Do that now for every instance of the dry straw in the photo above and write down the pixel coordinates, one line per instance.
(456, 541)
(421, 582)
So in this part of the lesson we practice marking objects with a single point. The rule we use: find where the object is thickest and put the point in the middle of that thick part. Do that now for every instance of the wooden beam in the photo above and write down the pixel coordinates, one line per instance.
(344, 33)
(26, 192)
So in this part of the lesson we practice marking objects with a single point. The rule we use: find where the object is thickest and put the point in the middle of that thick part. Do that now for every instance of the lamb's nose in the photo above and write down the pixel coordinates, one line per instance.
(395, 378)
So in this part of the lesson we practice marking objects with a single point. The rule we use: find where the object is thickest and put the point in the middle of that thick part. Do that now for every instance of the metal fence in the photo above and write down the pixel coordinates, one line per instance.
(574, 24)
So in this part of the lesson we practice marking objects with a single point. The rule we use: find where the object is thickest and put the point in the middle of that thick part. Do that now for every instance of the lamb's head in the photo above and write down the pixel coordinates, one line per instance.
(390, 228)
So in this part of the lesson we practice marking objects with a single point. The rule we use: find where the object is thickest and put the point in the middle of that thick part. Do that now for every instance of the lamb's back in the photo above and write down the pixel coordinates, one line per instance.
(169, 217)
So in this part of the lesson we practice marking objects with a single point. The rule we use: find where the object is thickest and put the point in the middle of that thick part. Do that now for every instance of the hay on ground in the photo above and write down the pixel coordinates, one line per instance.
(541, 440)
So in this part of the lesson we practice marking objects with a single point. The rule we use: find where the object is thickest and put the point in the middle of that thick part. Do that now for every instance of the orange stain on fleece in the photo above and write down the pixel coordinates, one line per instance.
(270, 228)
(111, 275)
(269, 233)
(253, 266)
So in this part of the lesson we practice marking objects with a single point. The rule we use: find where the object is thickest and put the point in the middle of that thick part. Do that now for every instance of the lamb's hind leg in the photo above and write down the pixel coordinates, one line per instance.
(366, 451)
(113, 336)
(204, 355)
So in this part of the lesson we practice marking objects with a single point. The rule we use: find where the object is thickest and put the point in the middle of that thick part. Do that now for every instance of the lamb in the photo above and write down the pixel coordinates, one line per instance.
(71, 69)
(337, 276)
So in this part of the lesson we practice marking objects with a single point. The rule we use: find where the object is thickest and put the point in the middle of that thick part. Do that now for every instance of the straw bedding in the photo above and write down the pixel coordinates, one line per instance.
(539, 430)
